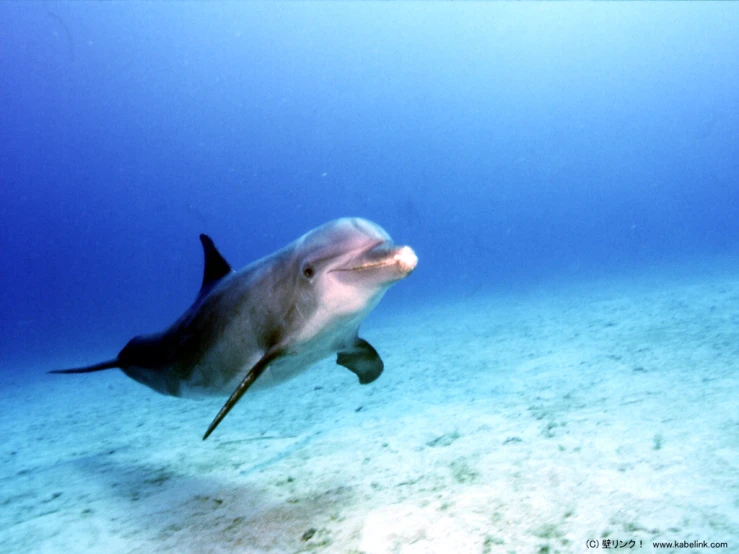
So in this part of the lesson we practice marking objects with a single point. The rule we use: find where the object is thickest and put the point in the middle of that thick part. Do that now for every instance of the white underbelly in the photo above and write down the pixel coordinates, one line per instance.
(210, 380)
(286, 368)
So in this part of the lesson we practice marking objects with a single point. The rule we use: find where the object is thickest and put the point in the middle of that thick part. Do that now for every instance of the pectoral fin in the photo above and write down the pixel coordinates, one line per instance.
(363, 360)
(247, 382)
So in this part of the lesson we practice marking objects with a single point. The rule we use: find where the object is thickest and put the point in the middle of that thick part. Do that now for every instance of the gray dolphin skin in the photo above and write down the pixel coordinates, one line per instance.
(273, 319)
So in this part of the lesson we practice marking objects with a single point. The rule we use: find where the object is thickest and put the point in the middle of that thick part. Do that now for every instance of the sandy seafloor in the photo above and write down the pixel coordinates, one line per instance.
(528, 423)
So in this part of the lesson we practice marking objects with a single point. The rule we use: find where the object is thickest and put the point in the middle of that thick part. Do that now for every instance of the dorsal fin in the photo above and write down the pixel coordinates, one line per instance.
(216, 266)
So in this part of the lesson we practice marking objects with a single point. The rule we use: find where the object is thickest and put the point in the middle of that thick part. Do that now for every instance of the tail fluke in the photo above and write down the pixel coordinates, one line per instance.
(110, 364)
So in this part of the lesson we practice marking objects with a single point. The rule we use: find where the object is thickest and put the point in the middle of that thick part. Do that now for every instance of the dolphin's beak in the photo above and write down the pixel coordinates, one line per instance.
(406, 259)
(385, 259)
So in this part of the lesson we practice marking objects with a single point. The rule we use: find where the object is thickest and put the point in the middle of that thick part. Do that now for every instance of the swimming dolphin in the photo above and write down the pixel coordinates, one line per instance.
(267, 322)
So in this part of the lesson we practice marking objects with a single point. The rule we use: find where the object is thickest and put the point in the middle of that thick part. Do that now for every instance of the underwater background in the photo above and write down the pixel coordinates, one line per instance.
(509, 144)
(561, 367)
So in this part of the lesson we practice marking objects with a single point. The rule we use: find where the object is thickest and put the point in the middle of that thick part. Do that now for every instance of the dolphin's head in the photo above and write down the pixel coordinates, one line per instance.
(344, 267)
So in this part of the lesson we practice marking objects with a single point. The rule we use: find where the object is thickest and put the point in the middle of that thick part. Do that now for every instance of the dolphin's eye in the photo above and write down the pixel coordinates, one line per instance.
(308, 272)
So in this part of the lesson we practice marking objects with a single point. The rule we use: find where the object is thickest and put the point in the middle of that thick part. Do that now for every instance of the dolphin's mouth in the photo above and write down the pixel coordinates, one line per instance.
(404, 258)
(366, 266)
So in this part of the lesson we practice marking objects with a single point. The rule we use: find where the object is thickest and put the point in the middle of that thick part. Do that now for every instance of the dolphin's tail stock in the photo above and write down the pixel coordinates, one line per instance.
(110, 364)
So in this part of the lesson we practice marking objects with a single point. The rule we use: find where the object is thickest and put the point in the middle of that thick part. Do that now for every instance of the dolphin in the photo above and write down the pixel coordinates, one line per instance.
(273, 319)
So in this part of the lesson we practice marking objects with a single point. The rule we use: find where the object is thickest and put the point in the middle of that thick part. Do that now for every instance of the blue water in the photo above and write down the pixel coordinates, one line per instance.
(510, 145)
